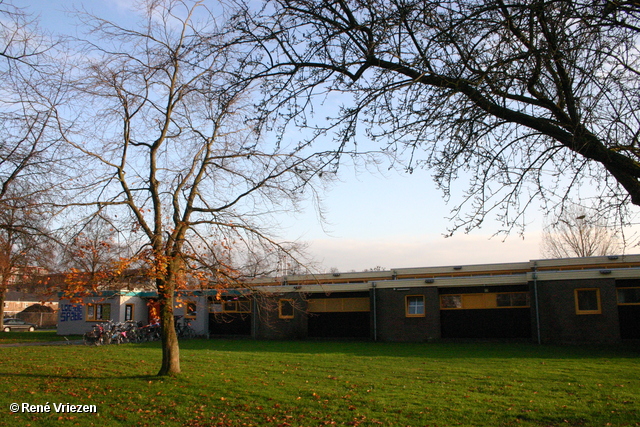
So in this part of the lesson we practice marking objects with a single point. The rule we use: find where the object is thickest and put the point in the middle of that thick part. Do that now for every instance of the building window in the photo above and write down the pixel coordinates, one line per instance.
(285, 309)
(128, 313)
(236, 306)
(190, 309)
(486, 300)
(451, 301)
(513, 299)
(103, 312)
(338, 305)
(587, 301)
(414, 305)
(97, 312)
(628, 296)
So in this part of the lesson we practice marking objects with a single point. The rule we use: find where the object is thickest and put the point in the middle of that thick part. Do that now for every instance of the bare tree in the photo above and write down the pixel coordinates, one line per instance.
(28, 94)
(527, 99)
(578, 232)
(91, 253)
(255, 259)
(164, 128)
(30, 88)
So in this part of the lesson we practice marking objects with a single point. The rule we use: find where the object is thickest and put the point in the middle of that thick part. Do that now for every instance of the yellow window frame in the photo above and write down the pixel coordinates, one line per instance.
(93, 307)
(131, 307)
(480, 301)
(236, 306)
(576, 297)
(285, 315)
(190, 314)
(406, 305)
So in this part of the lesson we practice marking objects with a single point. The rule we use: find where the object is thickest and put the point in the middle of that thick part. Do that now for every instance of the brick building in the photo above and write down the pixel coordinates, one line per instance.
(573, 300)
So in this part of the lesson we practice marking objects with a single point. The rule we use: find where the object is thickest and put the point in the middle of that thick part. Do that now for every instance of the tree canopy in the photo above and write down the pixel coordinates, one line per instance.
(529, 100)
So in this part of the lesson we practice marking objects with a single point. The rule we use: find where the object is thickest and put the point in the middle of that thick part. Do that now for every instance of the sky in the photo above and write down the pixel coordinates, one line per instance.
(398, 221)
(389, 219)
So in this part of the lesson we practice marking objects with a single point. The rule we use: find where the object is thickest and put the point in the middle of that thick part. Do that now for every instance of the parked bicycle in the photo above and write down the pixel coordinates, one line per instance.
(183, 328)
(95, 336)
(128, 332)
(150, 332)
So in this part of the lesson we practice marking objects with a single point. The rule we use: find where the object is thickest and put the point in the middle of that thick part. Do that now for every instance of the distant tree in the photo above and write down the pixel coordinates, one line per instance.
(526, 99)
(92, 248)
(25, 244)
(577, 233)
(91, 255)
(165, 129)
(256, 260)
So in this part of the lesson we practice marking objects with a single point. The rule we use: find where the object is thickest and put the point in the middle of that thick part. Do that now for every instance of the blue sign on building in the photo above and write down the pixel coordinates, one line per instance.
(70, 312)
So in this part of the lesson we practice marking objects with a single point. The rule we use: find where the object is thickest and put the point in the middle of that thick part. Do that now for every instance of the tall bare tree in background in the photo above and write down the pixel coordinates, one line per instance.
(90, 254)
(579, 232)
(25, 243)
(528, 100)
(165, 129)
(30, 89)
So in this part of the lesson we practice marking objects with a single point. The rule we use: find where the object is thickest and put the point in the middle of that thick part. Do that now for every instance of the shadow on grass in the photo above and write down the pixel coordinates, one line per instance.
(147, 377)
(15, 337)
(431, 350)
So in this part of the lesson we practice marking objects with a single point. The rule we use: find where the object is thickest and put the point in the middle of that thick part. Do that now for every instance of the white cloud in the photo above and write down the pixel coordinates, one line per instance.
(423, 251)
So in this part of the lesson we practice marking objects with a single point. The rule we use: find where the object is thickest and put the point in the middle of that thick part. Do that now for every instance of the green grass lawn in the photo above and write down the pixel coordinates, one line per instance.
(275, 383)
(35, 336)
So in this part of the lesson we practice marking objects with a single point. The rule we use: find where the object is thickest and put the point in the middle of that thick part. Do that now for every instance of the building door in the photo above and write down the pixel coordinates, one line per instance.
(339, 317)
(230, 316)
(629, 310)
(485, 315)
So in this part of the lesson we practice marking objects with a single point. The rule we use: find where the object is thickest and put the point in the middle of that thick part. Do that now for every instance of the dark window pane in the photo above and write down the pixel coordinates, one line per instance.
(503, 300)
(244, 306)
(520, 300)
(286, 308)
(588, 300)
(191, 309)
(629, 296)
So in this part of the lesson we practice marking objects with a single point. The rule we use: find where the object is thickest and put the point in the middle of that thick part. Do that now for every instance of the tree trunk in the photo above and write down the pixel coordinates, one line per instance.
(3, 294)
(170, 347)
(4, 286)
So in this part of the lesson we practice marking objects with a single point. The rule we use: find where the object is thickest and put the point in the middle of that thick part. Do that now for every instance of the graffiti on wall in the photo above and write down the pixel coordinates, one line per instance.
(70, 312)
